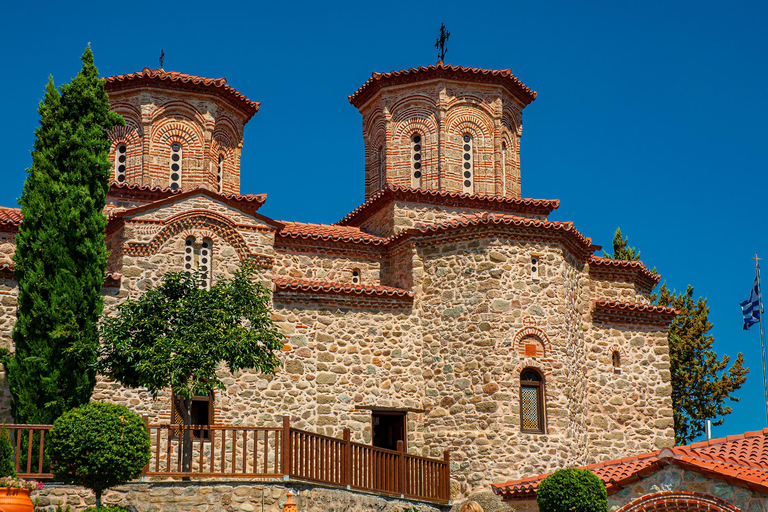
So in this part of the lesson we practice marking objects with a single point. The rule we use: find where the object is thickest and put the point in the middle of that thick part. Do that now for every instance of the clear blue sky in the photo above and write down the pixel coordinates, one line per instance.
(651, 115)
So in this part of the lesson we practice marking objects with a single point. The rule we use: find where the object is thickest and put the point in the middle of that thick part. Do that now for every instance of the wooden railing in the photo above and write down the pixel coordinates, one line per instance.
(267, 453)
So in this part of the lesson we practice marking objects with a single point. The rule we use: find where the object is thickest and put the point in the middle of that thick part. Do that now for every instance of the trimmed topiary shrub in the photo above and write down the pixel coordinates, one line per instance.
(572, 490)
(98, 446)
(6, 454)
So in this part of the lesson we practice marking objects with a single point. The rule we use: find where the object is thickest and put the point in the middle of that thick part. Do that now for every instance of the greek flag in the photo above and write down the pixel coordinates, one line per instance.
(751, 308)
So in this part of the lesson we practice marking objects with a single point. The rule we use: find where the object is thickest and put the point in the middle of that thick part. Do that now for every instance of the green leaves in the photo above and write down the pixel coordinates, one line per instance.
(179, 334)
(61, 254)
(701, 382)
(621, 249)
(98, 446)
(572, 490)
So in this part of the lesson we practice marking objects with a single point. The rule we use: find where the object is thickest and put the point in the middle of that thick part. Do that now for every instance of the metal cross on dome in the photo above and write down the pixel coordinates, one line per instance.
(440, 44)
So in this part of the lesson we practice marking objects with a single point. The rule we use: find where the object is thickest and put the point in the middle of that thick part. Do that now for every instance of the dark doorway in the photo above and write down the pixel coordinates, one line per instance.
(388, 429)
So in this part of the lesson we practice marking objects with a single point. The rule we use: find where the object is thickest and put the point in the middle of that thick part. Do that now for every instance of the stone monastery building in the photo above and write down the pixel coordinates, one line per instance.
(445, 311)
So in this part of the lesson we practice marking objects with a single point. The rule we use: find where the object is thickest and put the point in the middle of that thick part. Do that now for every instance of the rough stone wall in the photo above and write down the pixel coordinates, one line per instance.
(224, 496)
(628, 409)
(441, 112)
(408, 215)
(381, 223)
(7, 247)
(205, 125)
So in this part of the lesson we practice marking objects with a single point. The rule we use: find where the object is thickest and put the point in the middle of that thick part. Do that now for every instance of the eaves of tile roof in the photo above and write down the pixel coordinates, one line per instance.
(304, 285)
(332, 232)
(613, 310)
(542, 207)
(10, 219)
(175, 80)
(144, 192)
(740, 460)
(503, 77)
(647, 278)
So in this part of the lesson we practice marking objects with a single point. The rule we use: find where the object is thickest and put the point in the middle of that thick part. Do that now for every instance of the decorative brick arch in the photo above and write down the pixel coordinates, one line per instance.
(678, 501)
(422, 101)
(615, 348)
(131, 136)
(178, 110)
(462, 119)
(531, 332)
(185, 222)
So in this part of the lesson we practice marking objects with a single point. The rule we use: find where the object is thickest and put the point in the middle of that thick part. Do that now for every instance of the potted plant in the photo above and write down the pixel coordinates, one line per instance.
(14, 494)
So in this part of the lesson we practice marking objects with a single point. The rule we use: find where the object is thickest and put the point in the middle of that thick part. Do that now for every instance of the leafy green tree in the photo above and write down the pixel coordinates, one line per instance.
(61, 254)
(178, 334)
(621, 248)
(572, 490)
(701, 382)
(98, 446)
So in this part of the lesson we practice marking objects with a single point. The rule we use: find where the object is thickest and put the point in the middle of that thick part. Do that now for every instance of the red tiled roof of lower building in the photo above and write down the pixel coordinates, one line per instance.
(630, 312)
(10, 216)
(160, 77)
(651, 278)
(503, 77)
(328, 232)
(739, 460)
(391, 192)
(288, 283)
(635, 306)
(578, 241)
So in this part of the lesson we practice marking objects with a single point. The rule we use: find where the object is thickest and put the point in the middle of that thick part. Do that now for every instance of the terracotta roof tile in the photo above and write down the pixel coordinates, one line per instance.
(155, 77)
(328, 232)
(391, 192)
(502, 77)
(287, 283)
(635, 306)
(740, 460)
(10, 216)
(650, 279)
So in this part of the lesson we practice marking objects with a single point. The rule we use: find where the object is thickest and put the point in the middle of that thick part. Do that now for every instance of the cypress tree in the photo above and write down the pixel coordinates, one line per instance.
(61, 254)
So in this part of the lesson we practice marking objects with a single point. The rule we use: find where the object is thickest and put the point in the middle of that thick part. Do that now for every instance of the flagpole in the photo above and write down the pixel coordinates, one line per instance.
(762, 336)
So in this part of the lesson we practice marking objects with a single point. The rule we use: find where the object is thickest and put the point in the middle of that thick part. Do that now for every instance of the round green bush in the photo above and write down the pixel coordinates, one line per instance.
(98, 446)
(572, 490)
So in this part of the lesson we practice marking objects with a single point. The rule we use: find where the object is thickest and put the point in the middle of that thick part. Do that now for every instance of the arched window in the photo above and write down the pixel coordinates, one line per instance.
(416, 162)
(616, 360)
(197, 257)
(176, 165)
(220, 174)
(382, 168)
(468, 164)
(532, 402)
(120, 160)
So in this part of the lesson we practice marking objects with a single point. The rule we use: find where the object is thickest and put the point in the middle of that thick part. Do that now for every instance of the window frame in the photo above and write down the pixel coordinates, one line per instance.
(540, 397)
(176, 433)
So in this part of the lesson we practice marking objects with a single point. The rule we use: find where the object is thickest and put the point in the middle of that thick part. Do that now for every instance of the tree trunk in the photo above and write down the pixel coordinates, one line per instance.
(97, 492)
(185, 408)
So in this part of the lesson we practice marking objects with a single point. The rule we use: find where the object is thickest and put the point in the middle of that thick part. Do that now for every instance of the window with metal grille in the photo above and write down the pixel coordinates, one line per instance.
(175, 165)
(120, 161)
(468, 163)
(197, 257)
(416, 162)
(532, 402)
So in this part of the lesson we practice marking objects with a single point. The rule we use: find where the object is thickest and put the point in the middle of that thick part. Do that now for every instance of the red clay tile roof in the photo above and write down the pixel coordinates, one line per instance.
(290, 284)
(172, 79)
(739, 460)
(328, 232)
(10, 217)
(617, 310)
(391, 192)
(573, 237)
(502, 77)
(646, 278)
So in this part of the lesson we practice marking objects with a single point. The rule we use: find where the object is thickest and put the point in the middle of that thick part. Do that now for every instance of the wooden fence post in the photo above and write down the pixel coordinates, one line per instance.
(286, 455)
(447, 476)
(347, 461)
(401, 468)
(145, 419)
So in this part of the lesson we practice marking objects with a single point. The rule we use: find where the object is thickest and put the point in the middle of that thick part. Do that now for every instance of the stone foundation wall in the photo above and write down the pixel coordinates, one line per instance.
(225, 496)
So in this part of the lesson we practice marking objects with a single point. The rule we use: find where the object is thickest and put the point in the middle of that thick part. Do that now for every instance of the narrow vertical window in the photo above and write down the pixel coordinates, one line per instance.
(503, 167)
(468, 164)
(616, 359)
(416, 162)
(120, 161)
(531, 402)
(189, 254)
(204, 265)
(197, 258)
(220, 175)
(356, 276)
(535, 268)
(176, 165)
(382, 169)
